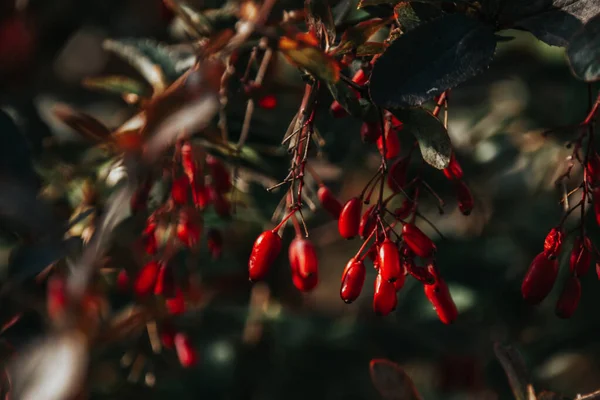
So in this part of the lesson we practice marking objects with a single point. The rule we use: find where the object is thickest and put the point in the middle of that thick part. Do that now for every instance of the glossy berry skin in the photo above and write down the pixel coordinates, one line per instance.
(453, 171)
(417, 241)
(384, 298)
(540, 278)
(396, 178)
(188, 163)
(221, 181)
(368, 222)
(353, 280)
(329, 202)
(360, 77)
(146, 279)
(176, 304)
(419, 273)
(581, 257)
(389, 261)
(441, 299)
(201, 194)
(188, 233)
(266, 249)
(553, 242)
(185, 351)
(370, 132)
(392, 145)
(569, 298)
(165, 282)
(465, 198)
(303, 257)
(180, 190)
(305, 284)
(349, 222)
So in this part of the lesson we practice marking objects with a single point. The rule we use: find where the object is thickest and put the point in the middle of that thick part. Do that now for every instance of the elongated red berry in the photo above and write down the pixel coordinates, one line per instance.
(303, 257)
(417, 241)
(200, 193)
(122, 281)
(57, 298)
(185, 351)
(396, 178)
(384, 298)
(329, 202)
(337, 110)
(353, 280)
(581, 256)
(596, 202)
(368, 222)
(349, 222)
(539, 279)
(392, 145)
(214, 241)
(266, 249)
(146, 279)
(389, 261)
(221, 180)
(553, 242)
(180, 190)
(404, 210)
(268, 102)
(569, 298)
(439, 296)
(188, 232)
(188, 162)
(165, 282)
(419, 273)
(176, 304)
(370, 132)
(360, 77)
(465, 198)
(305, 284)
(453, 171)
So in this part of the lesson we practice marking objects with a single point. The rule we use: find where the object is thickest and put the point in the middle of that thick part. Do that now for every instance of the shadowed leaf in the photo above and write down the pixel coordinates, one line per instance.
(370, 49)
(357, 35)
(320, 17)
(305, 55)
(391, 381)
(347, 98)
(411, 14)
(433, 138)
(82, 123)
(516, 371)
(430, 59)
(584, 51)
(120, 85)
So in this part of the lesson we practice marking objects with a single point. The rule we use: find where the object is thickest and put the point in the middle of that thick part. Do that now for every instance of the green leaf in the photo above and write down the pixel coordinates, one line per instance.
(370, 49)
(347, 98)
(552, 21)
(116, 84)
(391, 381)
(430, 59)
(307, 56)
(319, 16)
(358, 35)
(433, 138)
(584, 51)
(411, 14)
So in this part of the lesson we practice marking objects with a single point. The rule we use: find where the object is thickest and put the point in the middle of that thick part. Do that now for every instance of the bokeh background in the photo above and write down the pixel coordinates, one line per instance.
(313, 345)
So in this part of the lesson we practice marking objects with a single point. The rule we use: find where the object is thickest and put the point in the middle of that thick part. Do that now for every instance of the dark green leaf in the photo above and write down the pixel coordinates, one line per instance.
(584, 51)
(319, 16)
(552, 21)
(120, 85)
(370, 49)
(411, 14)
(359, 34)
(430, 59)
(348, 99)
(433, 138)
(391, 381)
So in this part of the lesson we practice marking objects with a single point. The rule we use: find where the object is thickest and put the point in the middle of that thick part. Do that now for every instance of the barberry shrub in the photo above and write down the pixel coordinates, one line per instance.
(156, 195)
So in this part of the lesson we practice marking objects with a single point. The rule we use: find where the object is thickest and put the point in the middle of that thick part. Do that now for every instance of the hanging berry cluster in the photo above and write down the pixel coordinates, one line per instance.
(543, 271)
(394, 252)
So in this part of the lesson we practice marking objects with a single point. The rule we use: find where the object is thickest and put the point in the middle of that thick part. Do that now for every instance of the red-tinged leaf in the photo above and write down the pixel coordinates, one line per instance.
(371, 49)
(391, 381)
(305, 55)
(82, 123)
(357, 35)
(320, 18)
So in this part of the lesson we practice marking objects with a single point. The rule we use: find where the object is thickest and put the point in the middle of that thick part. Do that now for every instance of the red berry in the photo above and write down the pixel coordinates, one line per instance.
(214, 241)
(122, 281)
(360, 77)
(219, 174)
(337, 110)
(417, 241)
(349, 222)
(165, 282)
(539, 279)
(419, 273)
(392, 144)
(200, 193)
(329, 202)
(384, 298)
(146, 279)
(368, 222)
(370, 132)
(180, 190)
(268, 102)
(396, 178)
(185, 352)
(389, 261)
(176, 305)
(569, 298)
(404, 210)
(303, 257)
(581, 256)
(167, 336)
(305, 284)
(553, 242)
(188, 162)
(266, 249)
(596, 201)
(56, 300)
(465, 198)
(441, 299)
(353, 280)
(453, 171)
